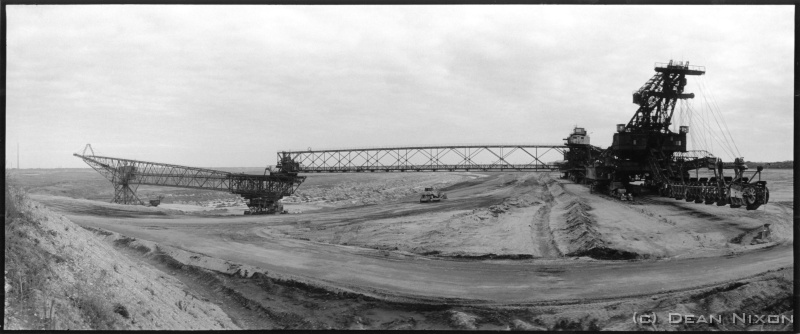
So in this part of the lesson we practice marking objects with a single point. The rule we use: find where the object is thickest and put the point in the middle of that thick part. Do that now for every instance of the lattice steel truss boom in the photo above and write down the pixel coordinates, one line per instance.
(657, 97)
(127, 175)
(429, 158)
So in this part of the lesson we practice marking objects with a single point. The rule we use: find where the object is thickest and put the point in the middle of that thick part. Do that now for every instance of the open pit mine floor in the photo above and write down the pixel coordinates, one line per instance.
(500, 241)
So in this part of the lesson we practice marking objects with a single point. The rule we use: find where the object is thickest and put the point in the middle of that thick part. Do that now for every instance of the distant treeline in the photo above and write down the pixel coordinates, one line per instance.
(773, 165)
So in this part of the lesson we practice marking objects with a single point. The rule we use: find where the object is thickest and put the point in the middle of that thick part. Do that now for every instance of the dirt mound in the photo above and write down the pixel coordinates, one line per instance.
(579, 237)
(462, 320)
(554, 187)
(524, 326)
(578, 207)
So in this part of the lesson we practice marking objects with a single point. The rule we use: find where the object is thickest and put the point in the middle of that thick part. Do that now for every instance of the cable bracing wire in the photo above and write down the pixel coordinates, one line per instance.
(697, 131)
(724, 122)
(715, 111)
(712, 135)
(700, 129)
(726, 143)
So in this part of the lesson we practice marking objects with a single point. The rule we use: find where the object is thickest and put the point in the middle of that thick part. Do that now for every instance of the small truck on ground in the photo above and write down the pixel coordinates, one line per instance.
(431, 195)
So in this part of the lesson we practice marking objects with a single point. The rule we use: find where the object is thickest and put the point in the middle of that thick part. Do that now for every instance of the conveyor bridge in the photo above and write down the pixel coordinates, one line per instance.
(487, 158)
(262, 191)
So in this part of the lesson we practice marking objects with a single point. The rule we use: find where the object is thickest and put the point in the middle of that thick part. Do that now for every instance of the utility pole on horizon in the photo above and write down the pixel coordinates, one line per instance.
(17, 155)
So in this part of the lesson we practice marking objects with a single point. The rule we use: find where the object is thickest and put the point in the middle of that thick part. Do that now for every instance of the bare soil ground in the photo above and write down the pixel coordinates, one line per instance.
(86, 284)
(505, 251)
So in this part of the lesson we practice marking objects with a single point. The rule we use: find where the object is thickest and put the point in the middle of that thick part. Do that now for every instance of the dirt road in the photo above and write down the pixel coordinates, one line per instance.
(297, 246)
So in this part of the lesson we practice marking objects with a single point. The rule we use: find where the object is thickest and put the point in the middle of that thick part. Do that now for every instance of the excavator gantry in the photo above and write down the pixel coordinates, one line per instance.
(646, 150)
(262, 192)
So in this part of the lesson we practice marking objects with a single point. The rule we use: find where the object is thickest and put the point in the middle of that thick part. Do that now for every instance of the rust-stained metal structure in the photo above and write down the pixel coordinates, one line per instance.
(261, 191)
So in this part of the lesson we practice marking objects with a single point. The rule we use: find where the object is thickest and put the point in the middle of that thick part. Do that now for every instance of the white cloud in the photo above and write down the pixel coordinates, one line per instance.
(231, 85)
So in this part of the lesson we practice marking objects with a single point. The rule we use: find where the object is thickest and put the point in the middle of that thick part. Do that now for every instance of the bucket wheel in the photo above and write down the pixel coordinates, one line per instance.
(749, 196)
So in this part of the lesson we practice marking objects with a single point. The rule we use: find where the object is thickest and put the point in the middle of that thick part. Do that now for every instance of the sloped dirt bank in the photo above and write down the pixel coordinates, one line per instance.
(769, 295)
(254, 300)
(62, 277)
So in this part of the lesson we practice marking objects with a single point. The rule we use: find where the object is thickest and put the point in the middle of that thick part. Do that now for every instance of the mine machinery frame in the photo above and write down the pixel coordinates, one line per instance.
(657, 97)
(399, 159)
(262, 191)
(737, 190)
(645, 149)
(577, 157)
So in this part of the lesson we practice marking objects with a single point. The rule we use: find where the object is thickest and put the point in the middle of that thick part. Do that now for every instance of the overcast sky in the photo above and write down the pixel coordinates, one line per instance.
(229, 86)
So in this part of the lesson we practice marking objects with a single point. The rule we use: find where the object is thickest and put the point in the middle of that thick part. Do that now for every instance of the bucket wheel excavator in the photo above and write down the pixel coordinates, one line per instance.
(646, 155)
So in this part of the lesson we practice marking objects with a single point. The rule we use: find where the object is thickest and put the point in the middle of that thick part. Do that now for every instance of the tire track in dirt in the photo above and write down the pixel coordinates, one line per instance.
(541, 235)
